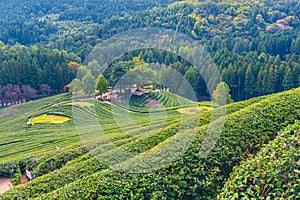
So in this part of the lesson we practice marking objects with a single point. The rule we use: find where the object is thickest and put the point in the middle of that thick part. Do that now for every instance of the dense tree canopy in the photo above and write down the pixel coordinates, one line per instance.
(255, 44)
(42, 70)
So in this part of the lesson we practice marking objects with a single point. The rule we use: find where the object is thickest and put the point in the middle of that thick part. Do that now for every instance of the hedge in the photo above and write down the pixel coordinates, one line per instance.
(273, 174)
(195, 176)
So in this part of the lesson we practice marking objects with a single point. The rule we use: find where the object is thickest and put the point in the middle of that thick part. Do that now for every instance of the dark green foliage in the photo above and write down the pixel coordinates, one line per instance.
(28, 163)
(234, 32)
(195, 177)
(272, 174)
(9, 169)
(57, 161)
(30, 22)
(27, 72)
(15, 169)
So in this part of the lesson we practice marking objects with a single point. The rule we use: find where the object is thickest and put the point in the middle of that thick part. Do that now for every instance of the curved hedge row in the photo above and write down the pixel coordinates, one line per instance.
(86, 164)
(39, 165)
(194, 176)
(273, 174)
(167, 99)
(57, 161)
(85, 167)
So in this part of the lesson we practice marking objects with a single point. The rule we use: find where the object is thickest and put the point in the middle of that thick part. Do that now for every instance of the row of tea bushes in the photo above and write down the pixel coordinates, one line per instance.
(195, 176)
(59, 178)
(84, 166)
(272, 174)
(39, 165)
(59, 160)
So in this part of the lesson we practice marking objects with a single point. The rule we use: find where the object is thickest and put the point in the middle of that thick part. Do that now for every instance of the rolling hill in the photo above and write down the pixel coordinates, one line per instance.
(94, 167)
(273, 173)
(141, 141)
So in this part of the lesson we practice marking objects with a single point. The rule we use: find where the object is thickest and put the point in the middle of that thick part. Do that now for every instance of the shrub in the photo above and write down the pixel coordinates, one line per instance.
(58, 161)
(195, 176)
(9, 169)
(273, 174)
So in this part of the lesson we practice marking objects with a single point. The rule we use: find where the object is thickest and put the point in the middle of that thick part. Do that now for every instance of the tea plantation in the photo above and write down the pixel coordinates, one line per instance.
(255, 155)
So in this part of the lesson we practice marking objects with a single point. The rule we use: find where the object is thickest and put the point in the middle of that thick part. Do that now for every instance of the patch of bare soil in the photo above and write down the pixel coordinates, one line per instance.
(4, 185)
(23, 179)
(153, 104)
(9, 113)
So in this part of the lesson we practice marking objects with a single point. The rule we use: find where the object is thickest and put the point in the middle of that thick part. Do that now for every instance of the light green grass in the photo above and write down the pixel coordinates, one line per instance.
(194, 110)
(138, 130)
(80, 104)
(48, 119)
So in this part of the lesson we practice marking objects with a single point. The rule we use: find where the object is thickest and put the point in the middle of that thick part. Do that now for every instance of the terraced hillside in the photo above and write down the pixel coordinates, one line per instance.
(91, 166)
(272, 174)
(18, 139)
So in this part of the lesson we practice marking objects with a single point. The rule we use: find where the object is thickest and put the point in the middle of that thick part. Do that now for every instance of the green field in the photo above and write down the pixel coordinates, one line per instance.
(95, 158)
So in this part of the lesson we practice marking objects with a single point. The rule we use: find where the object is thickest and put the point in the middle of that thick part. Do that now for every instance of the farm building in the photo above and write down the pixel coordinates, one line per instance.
(138, 93)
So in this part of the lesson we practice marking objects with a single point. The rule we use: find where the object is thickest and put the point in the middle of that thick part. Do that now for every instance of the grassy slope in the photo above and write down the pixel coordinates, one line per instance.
(80, 165)
(44, 153)
(86, 164)
(195, 177)
(18, 141)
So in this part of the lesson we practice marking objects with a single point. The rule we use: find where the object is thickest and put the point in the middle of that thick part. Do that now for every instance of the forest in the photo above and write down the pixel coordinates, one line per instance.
(150, 99)
(255, 43)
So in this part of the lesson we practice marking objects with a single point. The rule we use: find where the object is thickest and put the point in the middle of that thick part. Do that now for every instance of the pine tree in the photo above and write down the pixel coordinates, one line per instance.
(270, 81)
(193, 77)
(288, 82)
(249, 82)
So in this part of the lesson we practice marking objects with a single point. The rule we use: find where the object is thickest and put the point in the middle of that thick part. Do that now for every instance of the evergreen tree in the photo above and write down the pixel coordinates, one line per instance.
(193, 77)
(249, 82)
(295, 48)
(270, 81)
(288, 82)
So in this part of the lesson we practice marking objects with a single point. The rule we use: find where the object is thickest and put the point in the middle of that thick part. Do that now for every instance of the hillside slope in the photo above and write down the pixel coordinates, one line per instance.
(272, 174)
(250, 125)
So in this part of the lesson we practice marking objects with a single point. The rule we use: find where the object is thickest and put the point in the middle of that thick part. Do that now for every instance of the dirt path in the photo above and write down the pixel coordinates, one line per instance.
(23, 179)
(4, 185)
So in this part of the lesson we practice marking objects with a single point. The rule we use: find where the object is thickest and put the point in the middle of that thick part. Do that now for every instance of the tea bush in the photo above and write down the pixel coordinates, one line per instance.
(272, 174)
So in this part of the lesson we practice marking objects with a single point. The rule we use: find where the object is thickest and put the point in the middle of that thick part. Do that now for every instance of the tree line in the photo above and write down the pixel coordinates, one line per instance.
(247, 76)
(26, 72)
(255, 43)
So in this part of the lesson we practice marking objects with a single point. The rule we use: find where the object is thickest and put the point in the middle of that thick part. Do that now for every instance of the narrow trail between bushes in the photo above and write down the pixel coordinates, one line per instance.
(4, 185)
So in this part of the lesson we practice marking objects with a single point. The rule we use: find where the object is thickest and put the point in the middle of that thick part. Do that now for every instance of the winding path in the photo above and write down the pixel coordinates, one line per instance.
(4, 185)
